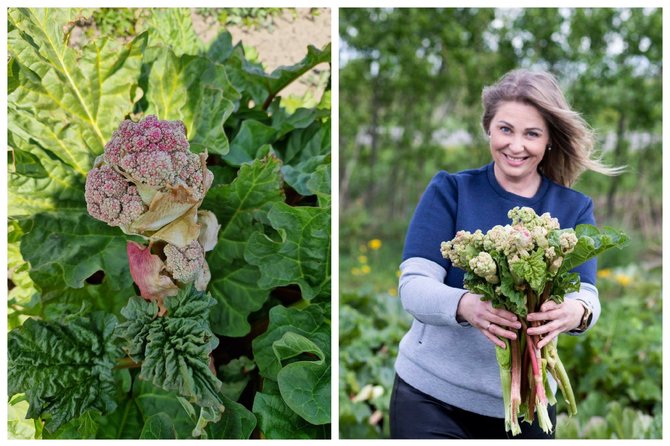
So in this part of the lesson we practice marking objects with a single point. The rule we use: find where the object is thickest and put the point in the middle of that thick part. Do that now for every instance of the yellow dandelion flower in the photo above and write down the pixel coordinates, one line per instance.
(375, 244)
(623, 279)
(365, 269)
(362, 259)
(604, 273)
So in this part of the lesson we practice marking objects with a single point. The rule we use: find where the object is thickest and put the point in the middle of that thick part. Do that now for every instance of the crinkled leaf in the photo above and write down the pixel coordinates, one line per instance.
(262, 86)
(251, 136)
(238, 206)
(563, 284)
(173, 27)
(70, 101)
(300, 256)
(174, 349)
(64, 368)
(194, 90)
(305, 144)
(158, 427)
(309, 177)
(476, 285)
(276, 420)
(61, 189)
(284, 75)
(66, 248)
(285, 122)
(511, 299)
(591, 242)
(304, 383)
(532, 270)
(221, 48)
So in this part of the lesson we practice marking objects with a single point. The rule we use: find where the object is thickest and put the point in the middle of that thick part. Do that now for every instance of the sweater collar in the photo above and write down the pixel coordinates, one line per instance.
(544, 186)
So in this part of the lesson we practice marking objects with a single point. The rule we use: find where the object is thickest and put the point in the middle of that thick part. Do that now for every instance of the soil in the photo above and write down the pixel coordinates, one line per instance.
(284, 42)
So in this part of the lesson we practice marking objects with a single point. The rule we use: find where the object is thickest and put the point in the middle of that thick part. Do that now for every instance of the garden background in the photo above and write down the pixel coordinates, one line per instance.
(410, 88)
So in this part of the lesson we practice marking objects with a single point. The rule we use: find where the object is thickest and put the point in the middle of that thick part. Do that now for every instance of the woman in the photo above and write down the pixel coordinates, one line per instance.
(447, 379)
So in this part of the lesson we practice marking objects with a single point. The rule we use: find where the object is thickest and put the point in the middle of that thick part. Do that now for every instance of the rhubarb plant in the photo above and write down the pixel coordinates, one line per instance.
(518, 267)
(169, 236)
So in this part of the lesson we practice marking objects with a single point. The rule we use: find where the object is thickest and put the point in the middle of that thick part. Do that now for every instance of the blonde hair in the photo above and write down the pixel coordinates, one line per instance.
(571, 139)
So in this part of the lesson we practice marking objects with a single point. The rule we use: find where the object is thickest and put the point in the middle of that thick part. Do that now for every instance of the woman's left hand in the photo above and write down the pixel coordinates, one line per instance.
(557, 318)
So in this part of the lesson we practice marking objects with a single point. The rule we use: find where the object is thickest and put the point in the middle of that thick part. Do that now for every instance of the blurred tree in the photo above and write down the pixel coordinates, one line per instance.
(410, 86)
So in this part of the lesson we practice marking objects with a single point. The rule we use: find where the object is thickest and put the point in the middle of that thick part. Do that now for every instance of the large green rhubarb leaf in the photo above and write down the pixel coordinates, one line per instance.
(194, 90)
(294, 355)
(261, 86)
(68, 101)
(173, 27)
(174, 350)
(311, 177)
(277, 421)
(60, 188)
(235, 423)
(592, 241)
(250, 138)
(304, 382)
(313, 323)
(158, 427)
(64, 368)
(238, 207)
(65, 249)
(301, 253)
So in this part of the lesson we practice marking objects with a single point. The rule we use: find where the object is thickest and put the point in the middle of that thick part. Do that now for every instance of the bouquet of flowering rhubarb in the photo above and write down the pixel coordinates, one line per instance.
(518, 267)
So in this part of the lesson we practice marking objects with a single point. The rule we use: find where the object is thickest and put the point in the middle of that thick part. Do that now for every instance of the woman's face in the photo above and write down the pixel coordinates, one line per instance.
(518, 139)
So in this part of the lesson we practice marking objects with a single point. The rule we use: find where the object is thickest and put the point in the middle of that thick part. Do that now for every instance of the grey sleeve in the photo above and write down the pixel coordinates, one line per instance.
(589, 295)
(425, 296)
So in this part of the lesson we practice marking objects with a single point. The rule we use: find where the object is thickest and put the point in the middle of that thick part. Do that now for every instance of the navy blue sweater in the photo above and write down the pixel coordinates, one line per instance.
(472, 200)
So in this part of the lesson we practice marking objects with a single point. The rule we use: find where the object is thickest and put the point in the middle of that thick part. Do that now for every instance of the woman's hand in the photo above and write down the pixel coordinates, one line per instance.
(557, 318)
(490, 321)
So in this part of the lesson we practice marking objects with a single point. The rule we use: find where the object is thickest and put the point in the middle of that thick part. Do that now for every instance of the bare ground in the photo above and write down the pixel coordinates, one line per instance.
(284, 43)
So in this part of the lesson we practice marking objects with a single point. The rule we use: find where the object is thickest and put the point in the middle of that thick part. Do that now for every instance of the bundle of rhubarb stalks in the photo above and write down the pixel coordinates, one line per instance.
(518, 267)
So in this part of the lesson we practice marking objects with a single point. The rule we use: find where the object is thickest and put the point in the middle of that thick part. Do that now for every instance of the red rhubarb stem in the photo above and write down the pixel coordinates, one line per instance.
(515, 390)
(537, 373)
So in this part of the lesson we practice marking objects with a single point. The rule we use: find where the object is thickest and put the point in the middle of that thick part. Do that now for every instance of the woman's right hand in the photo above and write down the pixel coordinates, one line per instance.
(492, 322)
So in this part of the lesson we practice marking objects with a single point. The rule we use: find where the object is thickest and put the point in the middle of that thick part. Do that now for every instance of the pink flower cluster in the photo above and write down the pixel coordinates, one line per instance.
(155, 153)
(184, 263)
(111, 198)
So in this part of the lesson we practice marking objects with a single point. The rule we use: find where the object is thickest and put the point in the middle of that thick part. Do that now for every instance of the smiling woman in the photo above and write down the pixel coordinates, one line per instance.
(519, 139)
(447, 379)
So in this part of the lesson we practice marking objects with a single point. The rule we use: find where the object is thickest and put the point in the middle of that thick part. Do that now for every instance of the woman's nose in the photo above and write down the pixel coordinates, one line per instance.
(516, 144)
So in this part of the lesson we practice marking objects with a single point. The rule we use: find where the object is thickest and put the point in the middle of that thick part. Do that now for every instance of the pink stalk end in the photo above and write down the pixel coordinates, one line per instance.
(146, 268)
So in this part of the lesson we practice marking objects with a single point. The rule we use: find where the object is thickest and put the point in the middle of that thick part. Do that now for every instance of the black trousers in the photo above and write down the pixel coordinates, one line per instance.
(417, 415)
